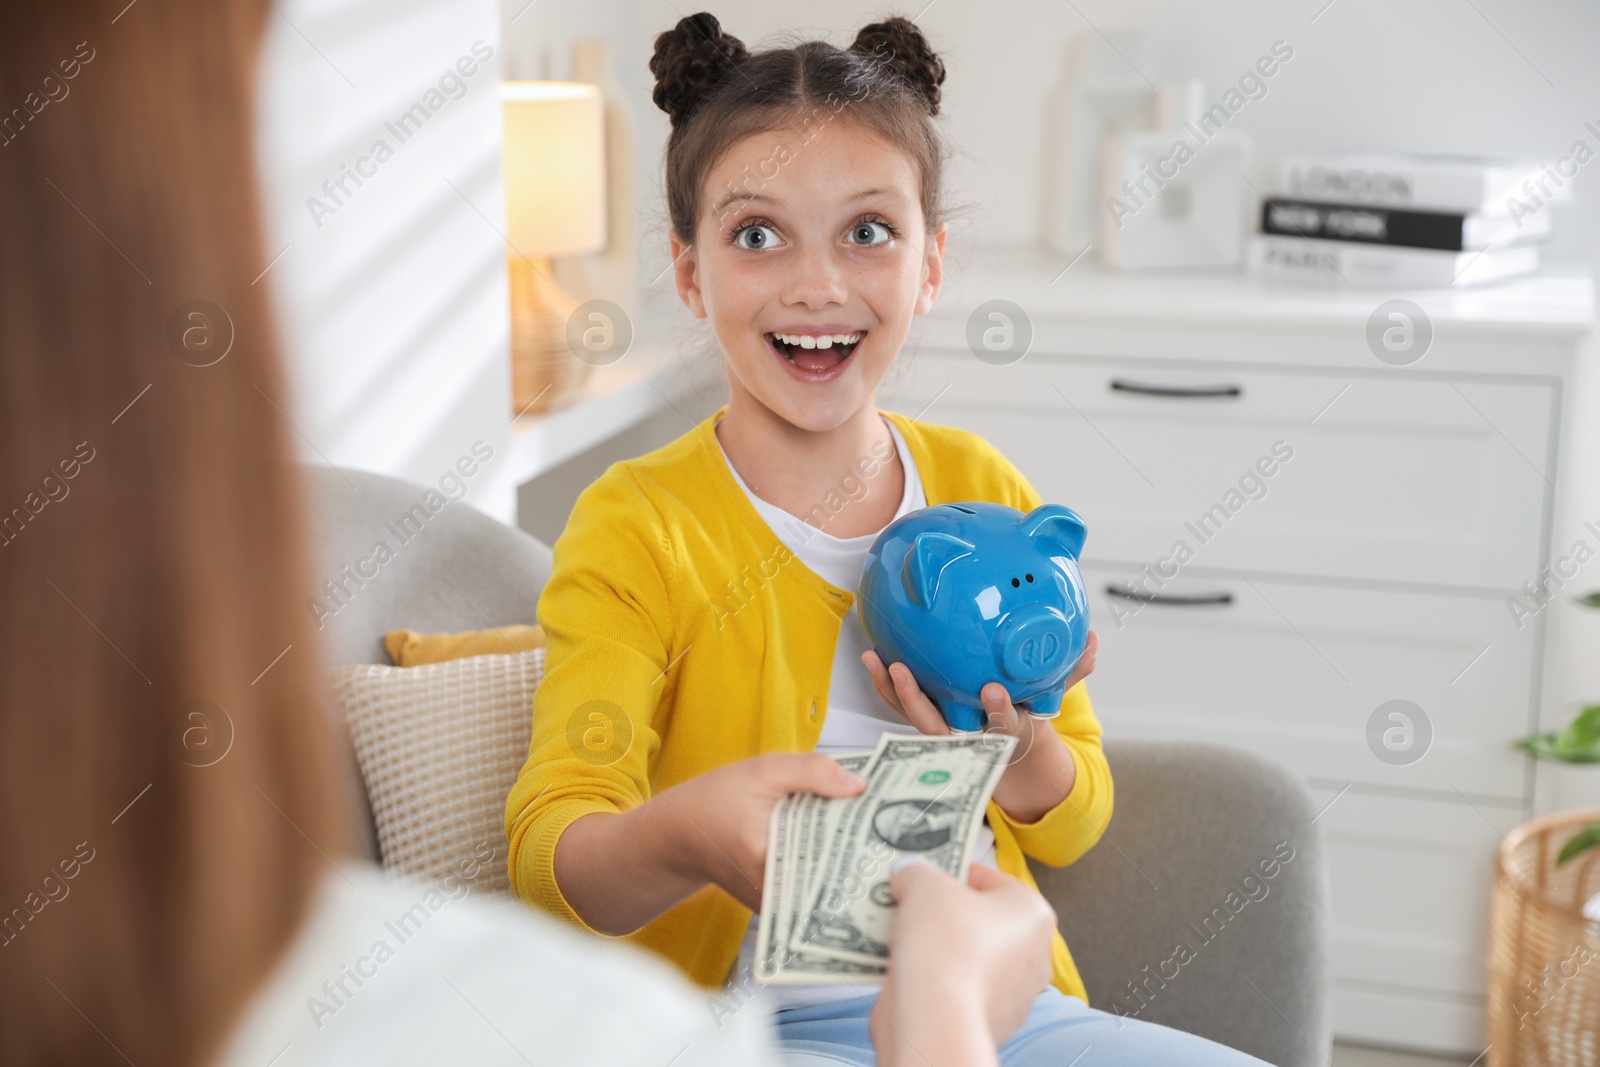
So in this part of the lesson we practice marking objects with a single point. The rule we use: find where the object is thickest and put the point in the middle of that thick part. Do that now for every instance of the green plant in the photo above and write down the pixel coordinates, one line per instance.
(1578, 743)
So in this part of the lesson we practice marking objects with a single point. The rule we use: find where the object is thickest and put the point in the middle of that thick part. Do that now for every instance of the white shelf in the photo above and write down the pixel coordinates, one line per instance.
(616, 398)
(1558, 300)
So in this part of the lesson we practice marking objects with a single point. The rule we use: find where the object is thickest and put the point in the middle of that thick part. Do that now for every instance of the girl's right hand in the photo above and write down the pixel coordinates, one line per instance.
(722, 817)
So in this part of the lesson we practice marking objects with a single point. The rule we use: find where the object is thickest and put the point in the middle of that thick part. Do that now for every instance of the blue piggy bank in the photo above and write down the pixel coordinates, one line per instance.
(972, 593)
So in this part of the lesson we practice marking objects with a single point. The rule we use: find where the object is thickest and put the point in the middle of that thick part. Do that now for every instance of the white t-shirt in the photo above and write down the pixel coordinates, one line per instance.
(406, 973)
(856, 715)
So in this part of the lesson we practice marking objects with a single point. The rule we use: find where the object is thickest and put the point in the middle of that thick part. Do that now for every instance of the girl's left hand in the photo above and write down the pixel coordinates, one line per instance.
(1041, 767)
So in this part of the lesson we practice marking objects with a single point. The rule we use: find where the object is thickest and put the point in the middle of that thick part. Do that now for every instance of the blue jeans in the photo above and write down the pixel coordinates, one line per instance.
(1060, 1030)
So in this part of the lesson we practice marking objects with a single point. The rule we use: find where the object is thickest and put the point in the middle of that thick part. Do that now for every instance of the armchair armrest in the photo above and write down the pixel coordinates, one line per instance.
(1204, 907)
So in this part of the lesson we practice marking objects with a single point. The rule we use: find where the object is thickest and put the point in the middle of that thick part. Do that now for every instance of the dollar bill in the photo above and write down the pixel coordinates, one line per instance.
(817, 813)
(793, 821)
(925, 795)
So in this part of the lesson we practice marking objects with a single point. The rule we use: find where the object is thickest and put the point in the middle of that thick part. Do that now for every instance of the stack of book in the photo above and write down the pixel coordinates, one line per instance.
(1395, 219)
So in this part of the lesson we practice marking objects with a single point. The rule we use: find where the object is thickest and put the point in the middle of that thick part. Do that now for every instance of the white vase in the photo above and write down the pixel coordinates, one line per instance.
(1102, 88)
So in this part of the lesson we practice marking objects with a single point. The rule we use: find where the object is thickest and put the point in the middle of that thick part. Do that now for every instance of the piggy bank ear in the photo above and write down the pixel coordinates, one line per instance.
(1057, 524)
(930, 553)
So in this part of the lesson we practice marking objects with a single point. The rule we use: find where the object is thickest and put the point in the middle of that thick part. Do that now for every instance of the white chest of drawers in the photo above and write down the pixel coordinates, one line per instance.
(1286, 533)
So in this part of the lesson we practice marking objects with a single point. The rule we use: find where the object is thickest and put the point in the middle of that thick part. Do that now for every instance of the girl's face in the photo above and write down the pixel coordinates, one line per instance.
(810, 259)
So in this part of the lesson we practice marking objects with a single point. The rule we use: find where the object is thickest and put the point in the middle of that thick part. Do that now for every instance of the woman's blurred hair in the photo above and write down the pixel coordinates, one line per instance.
(170, 789)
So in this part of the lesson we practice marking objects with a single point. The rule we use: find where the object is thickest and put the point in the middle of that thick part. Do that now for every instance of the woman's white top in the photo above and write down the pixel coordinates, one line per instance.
(856, 715)
(409, 973)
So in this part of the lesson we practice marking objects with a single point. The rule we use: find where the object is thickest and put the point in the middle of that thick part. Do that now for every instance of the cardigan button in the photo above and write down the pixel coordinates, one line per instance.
(813, 711)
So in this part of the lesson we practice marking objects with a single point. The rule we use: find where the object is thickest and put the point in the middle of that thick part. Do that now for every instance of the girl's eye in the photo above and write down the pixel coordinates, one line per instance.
(755, 237)
(870, 233)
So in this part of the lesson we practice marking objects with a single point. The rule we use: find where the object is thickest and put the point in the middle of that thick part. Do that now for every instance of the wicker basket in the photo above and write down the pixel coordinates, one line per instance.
(1544, 955)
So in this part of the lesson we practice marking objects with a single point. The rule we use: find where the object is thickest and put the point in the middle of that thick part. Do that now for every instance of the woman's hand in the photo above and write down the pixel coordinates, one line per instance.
(965, 964)
(720, 820)
(1041, 772)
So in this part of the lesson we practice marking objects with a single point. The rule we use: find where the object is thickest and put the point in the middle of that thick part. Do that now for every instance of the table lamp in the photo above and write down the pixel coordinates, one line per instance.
(552, 161)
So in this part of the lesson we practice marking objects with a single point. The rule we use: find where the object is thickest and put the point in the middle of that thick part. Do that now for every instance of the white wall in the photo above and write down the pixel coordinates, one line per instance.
(1430, 75)
(394, 304)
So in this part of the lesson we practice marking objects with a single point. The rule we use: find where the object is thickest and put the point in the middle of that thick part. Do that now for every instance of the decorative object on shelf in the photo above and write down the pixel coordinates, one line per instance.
(1357, 263)
(1422, 182)
(1544, 922)
(1372, 218)
(553, 165)
(613, 272)
(1453, 231)
(1137, 162)
(1102, 89)
(1174, 195)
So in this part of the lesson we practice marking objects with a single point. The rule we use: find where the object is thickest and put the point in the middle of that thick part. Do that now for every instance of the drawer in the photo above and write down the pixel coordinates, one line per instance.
(1383, 478)
(1299, 673)
(1410, 881)
(1421, 1021)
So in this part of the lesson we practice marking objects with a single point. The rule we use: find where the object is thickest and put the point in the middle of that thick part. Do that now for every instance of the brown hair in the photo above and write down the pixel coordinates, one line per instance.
(717, 93)
(169, 780)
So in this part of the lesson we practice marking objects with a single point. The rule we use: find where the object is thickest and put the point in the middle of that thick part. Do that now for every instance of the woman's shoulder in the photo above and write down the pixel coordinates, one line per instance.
(403, 972)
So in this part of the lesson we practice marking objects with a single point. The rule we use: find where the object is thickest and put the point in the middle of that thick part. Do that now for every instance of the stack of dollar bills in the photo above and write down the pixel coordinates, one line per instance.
(826, 910)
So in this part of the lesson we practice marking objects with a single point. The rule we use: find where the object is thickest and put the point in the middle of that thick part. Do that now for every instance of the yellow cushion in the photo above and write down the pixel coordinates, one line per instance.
(407, 648)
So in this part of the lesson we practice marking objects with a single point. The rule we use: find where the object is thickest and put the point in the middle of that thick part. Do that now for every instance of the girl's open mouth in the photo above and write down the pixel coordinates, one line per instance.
(815, 357)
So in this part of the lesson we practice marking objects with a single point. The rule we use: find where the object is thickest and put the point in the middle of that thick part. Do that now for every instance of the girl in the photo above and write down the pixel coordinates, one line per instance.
(700, 613)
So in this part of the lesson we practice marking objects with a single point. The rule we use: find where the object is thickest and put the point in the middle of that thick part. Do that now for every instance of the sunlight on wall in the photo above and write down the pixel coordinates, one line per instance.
(379, 132)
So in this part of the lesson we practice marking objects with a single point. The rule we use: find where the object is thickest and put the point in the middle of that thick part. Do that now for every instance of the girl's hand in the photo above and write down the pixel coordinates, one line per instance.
(902, 693)
(1041, 771)
(720, 819)
(965, 964)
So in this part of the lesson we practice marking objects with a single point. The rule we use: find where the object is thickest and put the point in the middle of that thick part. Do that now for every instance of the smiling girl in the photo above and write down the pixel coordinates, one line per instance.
(704, 658)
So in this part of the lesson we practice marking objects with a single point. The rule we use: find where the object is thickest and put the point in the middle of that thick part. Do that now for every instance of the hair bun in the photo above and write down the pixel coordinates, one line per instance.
(690, 58)
(900, 45)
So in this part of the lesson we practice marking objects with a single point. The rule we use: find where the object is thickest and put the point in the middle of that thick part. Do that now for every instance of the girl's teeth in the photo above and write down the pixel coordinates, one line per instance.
(806, 340)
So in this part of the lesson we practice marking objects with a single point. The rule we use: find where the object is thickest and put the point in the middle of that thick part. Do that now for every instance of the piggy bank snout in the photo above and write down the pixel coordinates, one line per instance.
(1033, 645)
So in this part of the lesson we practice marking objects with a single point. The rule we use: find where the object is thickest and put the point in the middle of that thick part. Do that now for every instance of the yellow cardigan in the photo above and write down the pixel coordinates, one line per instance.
(683, 635)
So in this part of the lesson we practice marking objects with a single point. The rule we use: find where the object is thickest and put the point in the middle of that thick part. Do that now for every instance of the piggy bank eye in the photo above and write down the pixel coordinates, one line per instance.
(1029, 577)
(1015, 583)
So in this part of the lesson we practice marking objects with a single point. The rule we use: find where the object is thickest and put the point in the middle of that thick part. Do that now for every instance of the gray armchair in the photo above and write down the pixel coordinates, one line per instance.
(1204, 907)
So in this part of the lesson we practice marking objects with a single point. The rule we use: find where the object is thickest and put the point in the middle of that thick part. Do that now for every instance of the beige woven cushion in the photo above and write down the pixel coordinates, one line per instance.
(440, 747)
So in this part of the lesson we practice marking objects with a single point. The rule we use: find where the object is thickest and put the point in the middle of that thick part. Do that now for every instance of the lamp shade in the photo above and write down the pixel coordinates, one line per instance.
(552, 161)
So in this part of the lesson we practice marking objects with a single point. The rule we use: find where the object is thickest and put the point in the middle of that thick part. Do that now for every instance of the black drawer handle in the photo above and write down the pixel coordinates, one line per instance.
(1128, 593)
(1122, 385)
